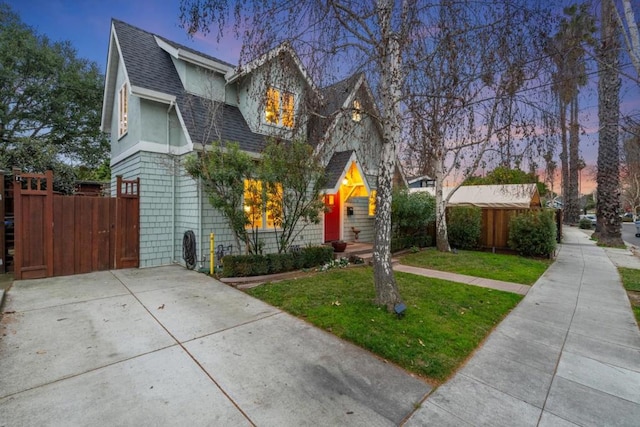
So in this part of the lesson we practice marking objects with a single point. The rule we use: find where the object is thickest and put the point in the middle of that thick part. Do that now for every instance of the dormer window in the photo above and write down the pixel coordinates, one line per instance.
(123, 110)
(356, 114)
(279, 107)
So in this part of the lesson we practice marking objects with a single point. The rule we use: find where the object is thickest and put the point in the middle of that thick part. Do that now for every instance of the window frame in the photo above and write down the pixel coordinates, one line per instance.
(356, 112)
(371, 205)
(282, 109)
(123, 110)
(266, 221)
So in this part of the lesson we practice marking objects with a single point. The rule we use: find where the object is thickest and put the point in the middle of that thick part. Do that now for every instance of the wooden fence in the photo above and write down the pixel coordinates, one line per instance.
(59, 235)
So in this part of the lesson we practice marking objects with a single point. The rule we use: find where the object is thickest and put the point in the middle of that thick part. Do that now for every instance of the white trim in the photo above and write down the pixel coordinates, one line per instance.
(193, 58)
(152, 95)
(338, 185)
(124, 93)
(234, 74)
(150, 147)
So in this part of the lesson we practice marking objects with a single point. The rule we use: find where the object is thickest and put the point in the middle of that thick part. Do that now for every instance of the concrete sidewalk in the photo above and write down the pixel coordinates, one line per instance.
(568, 355)
(168, 346)
(467, 280)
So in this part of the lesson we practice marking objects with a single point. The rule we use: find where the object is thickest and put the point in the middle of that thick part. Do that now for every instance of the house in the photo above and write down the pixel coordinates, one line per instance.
(164, 101)
(422, 181)
(498, 204)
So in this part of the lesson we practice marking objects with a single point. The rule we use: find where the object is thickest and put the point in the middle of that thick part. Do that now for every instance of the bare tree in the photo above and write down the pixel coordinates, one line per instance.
(630, 175)
(628, 25)
(375, 36)
(608, 179)
(468, 93)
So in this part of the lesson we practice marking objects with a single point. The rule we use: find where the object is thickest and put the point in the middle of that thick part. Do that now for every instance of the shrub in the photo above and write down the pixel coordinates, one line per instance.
(316, 255)
(404, 242)
(585, 224)
(411, 213)
(257, 265)
(533, 233)
(464, 225)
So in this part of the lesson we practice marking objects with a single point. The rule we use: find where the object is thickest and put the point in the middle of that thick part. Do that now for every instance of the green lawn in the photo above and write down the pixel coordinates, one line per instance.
(631, 282)
(444, 321)
(509, 268)
(630, 278)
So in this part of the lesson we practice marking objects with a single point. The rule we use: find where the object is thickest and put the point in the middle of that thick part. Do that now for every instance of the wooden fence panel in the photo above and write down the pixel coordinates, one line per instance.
(62, 235)
(33, 199)
(128, 223)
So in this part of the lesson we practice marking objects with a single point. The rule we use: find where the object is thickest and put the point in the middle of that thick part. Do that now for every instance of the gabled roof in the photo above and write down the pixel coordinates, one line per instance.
(152, 75)
(336, 95)
(228, 124)
(283, 49)
(337, 169)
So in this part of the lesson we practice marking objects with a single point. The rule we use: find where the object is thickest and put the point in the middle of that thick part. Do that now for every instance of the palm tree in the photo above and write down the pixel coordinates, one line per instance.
(568, 53)
(608, 177)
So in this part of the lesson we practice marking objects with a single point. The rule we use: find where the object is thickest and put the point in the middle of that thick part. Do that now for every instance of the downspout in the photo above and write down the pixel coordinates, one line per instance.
(173, 185)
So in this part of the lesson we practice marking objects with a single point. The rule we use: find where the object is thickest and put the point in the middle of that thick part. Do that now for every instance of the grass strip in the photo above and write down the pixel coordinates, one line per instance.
(505, 267)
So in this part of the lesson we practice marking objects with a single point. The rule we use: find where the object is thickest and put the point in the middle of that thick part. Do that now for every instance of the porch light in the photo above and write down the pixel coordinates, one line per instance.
(345, 181)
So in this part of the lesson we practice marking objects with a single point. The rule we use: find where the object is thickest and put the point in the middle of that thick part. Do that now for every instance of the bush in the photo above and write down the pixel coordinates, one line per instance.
(533, 233)
(404, 242)
(257, 265)
(464, 225)
(585, 224)
(411, 213)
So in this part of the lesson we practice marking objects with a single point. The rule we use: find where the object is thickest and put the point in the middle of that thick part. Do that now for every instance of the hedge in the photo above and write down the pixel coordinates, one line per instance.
(533, 233)
(464, 226)
(258, 265)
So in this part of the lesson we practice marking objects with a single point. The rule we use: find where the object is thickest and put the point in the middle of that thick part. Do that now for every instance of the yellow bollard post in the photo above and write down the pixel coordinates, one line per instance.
(211, 254)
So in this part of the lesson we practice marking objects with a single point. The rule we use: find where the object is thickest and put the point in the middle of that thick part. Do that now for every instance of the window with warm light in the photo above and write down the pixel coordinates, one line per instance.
(356, 114)
(262, 215)
(279, 108)
(372, 202)
(123, 110)
(253, 202)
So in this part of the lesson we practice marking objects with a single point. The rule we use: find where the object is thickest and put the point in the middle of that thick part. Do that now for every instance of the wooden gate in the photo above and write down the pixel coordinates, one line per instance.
(61, 235)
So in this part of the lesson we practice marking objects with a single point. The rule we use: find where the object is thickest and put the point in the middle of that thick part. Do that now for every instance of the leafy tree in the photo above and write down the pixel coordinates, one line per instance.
(608, 178)
(470, 91)
(505, 175)
(50, 100)
(374, 36)
(294, 180)
(411, 213)
(222, 171)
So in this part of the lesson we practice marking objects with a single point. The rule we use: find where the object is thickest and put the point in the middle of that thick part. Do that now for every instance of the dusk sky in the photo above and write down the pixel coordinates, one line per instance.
(85, 23)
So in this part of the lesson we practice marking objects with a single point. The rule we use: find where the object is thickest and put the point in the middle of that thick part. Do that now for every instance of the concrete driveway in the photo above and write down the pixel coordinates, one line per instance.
(168, 346)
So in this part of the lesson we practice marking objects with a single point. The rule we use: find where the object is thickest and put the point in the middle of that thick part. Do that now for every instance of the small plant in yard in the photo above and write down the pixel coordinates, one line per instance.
(335, 263)
(443, 324)
(464, 225)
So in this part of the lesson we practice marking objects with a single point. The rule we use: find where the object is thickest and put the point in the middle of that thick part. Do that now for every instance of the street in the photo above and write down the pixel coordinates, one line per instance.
(628, 230)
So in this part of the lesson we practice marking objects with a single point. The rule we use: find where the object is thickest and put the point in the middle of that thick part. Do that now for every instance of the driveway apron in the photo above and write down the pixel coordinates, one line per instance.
(166, 346)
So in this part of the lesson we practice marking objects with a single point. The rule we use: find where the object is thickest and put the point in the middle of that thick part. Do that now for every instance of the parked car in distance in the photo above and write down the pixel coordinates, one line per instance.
(590, 217)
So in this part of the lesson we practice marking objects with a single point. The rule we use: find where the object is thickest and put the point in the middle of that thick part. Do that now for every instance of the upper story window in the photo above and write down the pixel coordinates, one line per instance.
(279, 107)
(123, 110)
(356, 114)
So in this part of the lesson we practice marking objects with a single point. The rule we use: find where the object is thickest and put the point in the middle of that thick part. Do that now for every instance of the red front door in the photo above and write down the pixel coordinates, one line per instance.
(332, 217)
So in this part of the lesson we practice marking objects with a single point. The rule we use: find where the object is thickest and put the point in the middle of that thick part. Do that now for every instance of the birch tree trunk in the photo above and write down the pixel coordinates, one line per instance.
(442, 237)
(391, 84)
